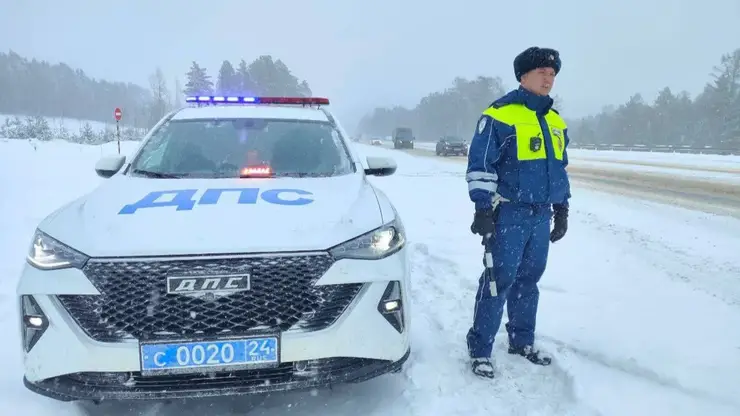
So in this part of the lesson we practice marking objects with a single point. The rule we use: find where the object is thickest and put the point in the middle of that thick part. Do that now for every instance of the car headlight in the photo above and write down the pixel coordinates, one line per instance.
(375, 245)
(47, 253)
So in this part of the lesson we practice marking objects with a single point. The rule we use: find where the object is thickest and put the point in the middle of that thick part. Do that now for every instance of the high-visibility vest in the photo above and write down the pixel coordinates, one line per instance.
(527, 126)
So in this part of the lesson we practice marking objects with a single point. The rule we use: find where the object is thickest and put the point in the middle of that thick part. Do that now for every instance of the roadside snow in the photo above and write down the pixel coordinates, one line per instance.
(71, 125)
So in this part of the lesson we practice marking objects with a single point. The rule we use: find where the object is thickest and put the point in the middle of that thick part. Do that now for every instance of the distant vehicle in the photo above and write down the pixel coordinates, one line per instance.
(376, 142)
(403, 138)
(451, 145)
(218, 261)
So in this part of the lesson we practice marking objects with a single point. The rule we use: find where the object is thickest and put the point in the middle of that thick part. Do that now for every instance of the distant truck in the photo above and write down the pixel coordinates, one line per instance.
(403, 138)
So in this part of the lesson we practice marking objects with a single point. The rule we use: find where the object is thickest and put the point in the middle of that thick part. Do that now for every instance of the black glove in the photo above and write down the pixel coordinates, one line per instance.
(484, 222)
(561, 222)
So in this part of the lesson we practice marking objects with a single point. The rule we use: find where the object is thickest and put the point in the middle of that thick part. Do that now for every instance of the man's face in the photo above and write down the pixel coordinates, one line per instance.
(539, 81)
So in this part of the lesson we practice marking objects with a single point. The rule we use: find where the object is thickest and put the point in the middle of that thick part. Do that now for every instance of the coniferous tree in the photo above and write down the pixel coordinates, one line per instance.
(199, 82)
(228, 81)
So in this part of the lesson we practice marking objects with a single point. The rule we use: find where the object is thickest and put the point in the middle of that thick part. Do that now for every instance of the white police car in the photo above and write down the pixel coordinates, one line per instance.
(240, 250)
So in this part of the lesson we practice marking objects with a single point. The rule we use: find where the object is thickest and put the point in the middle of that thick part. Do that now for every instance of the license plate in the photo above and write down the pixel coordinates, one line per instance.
(193, 356)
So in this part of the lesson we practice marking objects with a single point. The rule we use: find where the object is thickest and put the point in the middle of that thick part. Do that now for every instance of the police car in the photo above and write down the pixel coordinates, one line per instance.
(241, 249)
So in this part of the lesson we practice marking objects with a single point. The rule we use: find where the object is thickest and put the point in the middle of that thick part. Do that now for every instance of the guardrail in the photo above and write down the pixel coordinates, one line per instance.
(705, 150)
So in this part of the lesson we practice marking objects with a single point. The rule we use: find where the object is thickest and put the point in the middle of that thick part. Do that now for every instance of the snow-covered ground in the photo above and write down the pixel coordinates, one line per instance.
(731, 177)
(671, 159)
(640, 304)
(69, 124)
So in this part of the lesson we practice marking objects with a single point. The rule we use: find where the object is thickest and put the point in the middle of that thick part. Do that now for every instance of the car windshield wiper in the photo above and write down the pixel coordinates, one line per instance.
(159, 175)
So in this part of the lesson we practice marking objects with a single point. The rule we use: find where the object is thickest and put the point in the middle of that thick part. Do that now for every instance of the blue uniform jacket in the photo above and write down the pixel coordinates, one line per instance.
(510, 164)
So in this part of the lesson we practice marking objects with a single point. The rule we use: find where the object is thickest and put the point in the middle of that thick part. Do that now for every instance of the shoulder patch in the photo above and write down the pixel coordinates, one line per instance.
(482, 124)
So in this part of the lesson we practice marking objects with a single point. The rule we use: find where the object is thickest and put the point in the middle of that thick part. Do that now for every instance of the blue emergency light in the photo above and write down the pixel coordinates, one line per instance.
(215, 99)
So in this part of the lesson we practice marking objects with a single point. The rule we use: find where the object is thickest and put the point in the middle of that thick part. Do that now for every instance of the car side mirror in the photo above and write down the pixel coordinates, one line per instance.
(380, 166)
(108, 166)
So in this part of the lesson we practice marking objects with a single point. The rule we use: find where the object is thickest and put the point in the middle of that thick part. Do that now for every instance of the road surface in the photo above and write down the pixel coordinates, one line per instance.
(697, 193)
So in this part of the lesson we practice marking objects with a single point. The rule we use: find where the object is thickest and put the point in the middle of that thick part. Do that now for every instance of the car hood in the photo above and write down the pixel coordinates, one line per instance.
(250, 215)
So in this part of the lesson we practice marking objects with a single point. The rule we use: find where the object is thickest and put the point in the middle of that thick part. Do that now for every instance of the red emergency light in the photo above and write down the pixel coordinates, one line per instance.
(261, 171)
(293, 100)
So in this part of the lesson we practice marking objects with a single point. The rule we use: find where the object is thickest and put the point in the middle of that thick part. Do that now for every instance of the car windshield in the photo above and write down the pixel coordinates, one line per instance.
(450, 139)
(223, 148)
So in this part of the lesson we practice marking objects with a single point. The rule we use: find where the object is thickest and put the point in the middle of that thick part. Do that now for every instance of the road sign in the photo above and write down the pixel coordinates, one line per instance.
(117, 113)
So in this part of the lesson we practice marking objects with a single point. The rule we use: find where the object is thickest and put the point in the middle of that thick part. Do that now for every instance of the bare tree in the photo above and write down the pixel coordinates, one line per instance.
(160, 94)
(178, 94)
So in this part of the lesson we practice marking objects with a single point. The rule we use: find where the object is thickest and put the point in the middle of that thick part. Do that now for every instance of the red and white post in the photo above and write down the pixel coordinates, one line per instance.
(117, 113)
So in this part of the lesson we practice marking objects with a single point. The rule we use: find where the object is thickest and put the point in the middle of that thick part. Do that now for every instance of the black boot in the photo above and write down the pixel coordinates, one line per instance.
(531, 354)
(482, 367)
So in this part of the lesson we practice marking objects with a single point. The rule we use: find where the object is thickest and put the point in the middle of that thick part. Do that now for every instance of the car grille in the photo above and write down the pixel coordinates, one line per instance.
(134, 303)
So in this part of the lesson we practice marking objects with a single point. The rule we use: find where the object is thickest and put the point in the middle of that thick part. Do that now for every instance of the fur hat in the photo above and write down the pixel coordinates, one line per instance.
(534, 58)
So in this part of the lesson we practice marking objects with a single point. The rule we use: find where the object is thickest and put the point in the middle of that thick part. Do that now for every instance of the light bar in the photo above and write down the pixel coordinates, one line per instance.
(217, 99)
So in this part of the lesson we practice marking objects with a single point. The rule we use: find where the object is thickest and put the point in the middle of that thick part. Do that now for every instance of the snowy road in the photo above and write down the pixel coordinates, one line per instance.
(640, 305)
(707, 183)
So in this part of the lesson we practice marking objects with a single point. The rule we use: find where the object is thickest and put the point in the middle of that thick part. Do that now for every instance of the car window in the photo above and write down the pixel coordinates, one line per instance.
(222, 148)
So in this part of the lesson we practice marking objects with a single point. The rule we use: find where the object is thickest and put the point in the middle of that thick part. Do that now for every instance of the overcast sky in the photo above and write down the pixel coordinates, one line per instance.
(367, 53)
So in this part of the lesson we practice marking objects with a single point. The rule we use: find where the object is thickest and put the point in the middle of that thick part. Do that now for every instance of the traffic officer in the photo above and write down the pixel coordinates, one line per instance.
(517, 179)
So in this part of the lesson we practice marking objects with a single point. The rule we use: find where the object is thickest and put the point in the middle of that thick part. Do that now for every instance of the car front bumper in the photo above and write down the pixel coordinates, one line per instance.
(452, 149)
(65, 363)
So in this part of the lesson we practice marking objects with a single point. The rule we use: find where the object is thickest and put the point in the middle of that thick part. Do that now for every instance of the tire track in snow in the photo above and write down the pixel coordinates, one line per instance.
(443, 301)
(433, 174)
(717, 279)
(632, 368)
